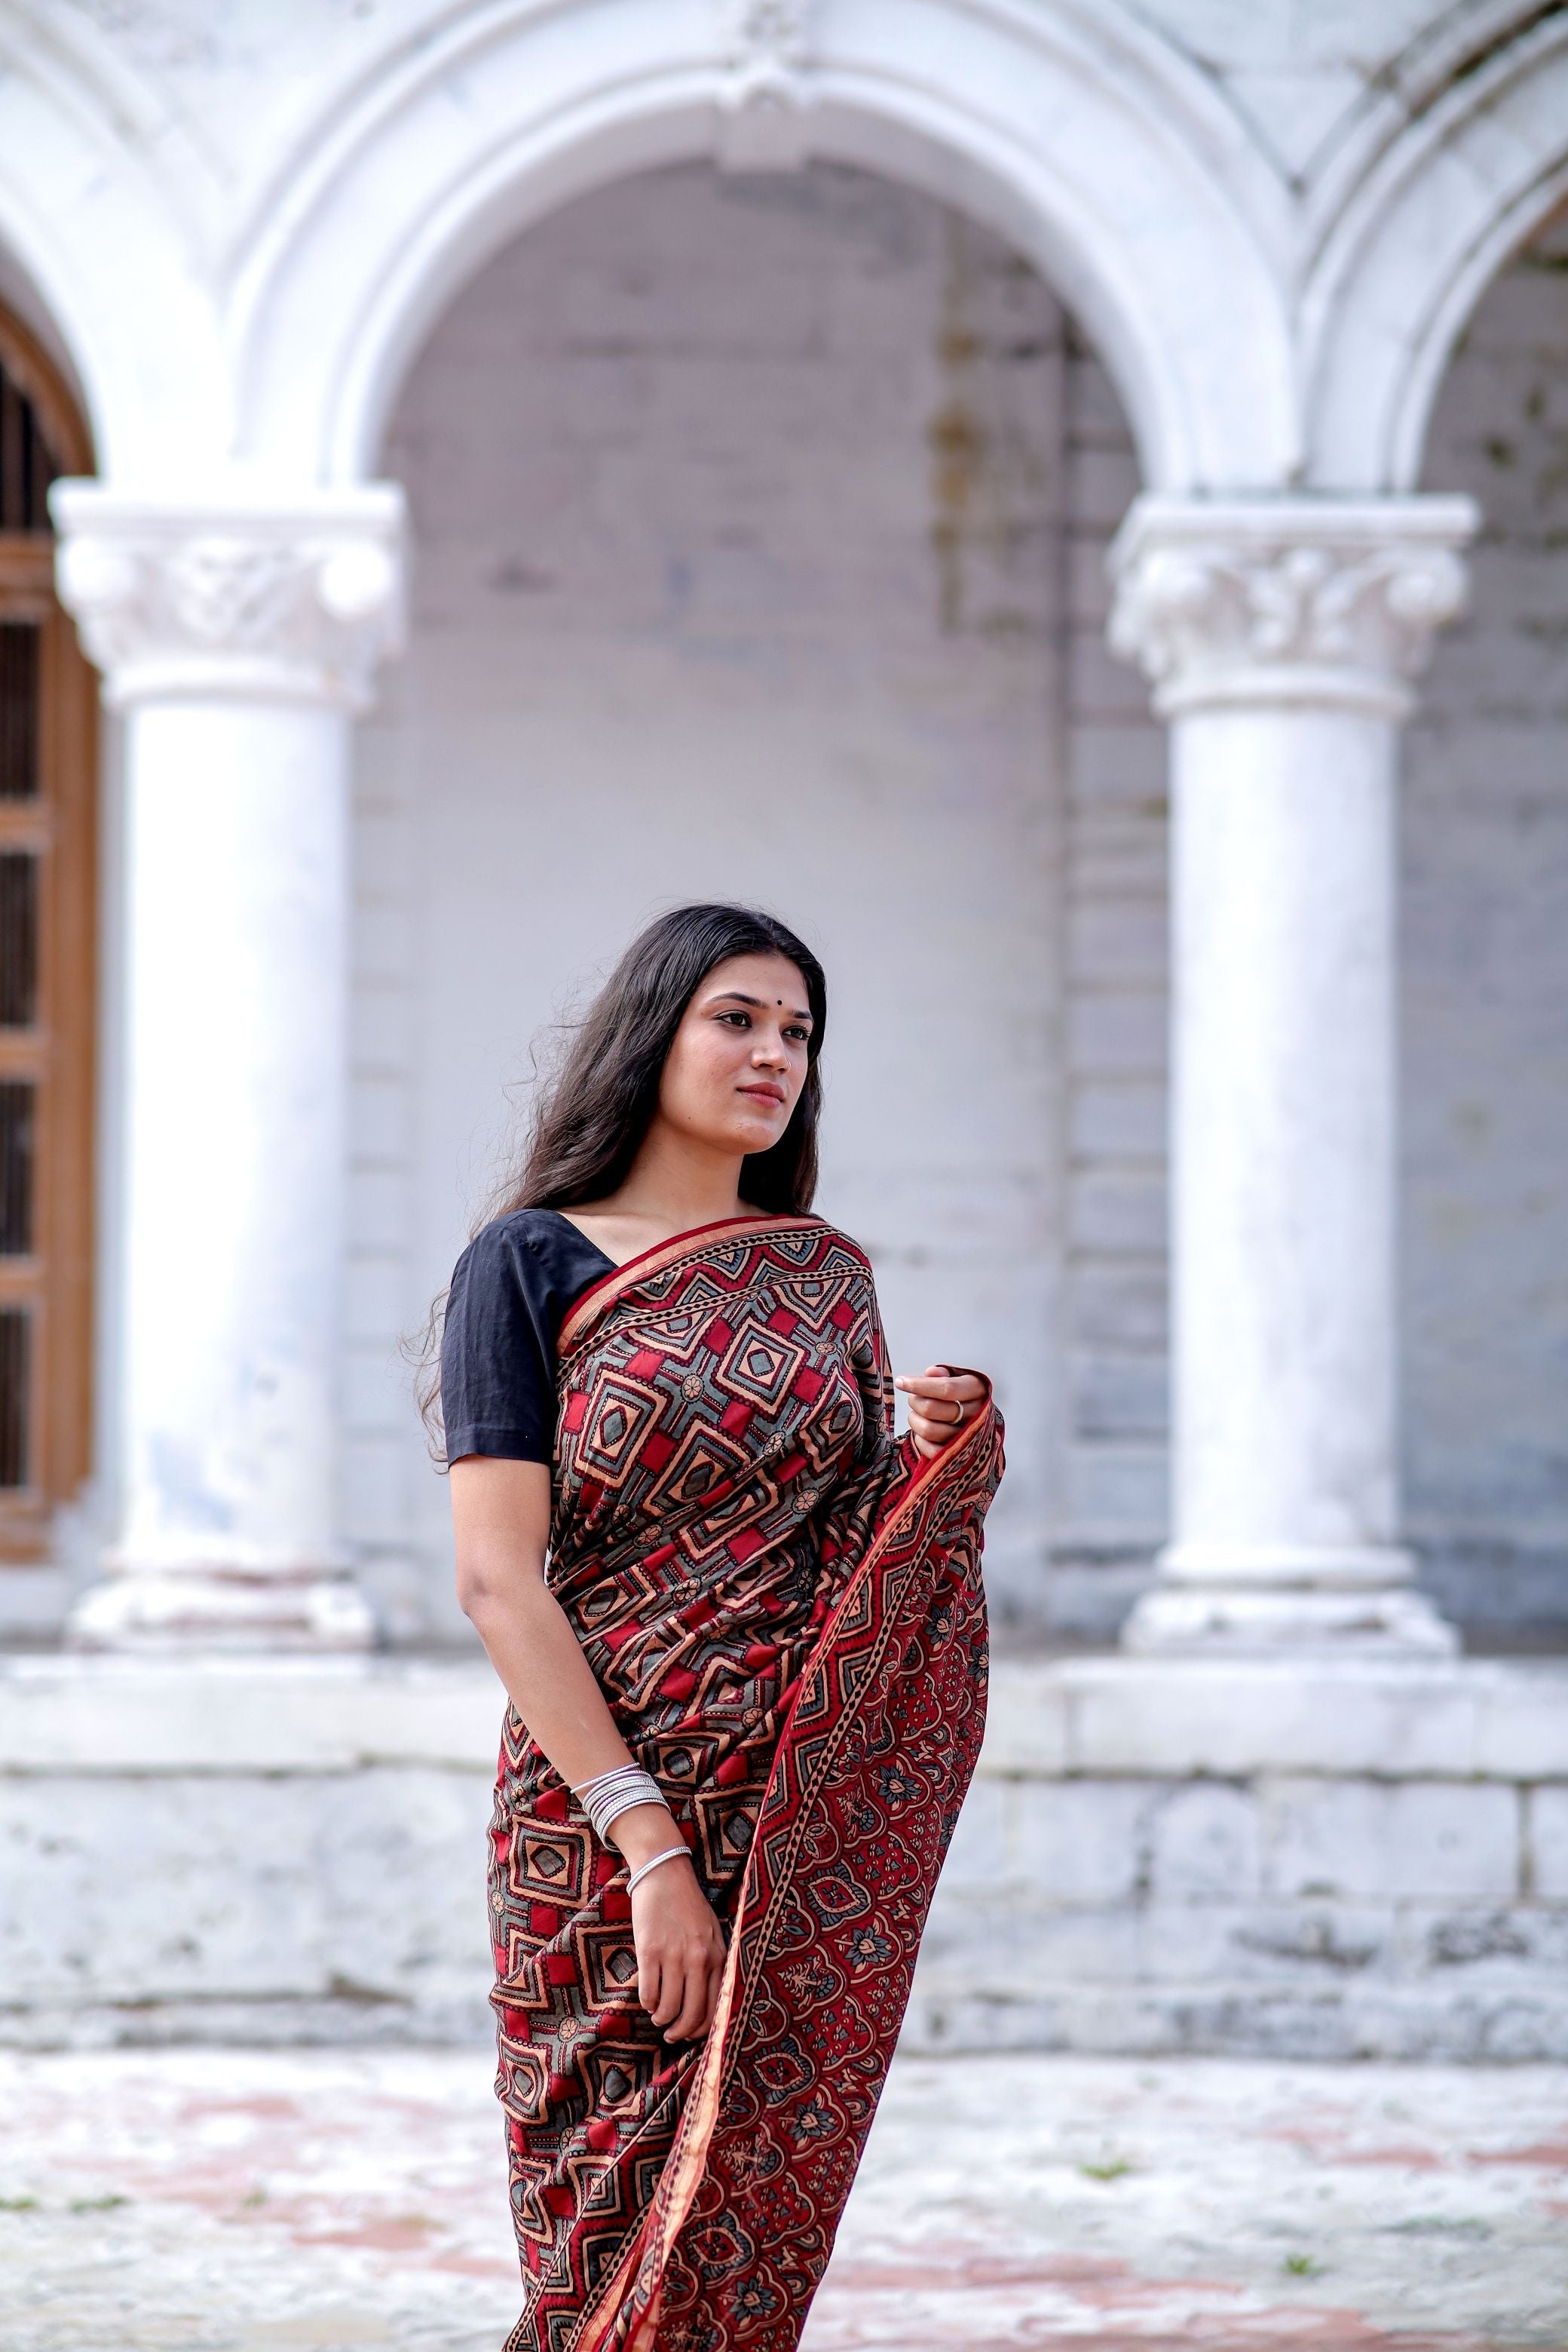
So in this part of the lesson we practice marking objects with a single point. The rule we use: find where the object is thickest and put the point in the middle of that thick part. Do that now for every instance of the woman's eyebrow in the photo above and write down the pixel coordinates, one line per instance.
(738, 996)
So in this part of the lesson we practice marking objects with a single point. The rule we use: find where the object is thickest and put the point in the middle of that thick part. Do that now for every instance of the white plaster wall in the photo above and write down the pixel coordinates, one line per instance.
(1485, 914)
(1111, 1494)
(739, 571)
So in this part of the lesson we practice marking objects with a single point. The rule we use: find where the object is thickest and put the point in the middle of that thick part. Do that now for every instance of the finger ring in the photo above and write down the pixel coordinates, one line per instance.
(957, 1404)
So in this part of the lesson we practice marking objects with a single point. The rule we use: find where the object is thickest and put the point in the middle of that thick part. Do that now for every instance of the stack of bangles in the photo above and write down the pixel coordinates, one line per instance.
(611, 1793)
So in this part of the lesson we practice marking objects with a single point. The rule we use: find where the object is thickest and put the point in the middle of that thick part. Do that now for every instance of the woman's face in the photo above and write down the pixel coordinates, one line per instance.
(738, 1061)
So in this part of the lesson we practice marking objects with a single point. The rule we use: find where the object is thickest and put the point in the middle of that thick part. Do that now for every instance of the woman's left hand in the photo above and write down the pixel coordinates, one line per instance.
(941, 1402)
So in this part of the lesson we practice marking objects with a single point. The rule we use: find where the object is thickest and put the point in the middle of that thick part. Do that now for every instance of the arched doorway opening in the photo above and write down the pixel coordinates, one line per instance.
(759, 527)
(47, 988)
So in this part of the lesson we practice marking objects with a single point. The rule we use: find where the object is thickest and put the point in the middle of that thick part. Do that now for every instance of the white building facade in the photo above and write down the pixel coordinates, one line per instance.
(1010, 485)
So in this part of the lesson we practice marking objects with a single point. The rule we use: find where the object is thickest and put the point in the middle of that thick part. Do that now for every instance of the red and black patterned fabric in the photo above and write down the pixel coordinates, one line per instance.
(783, 1608)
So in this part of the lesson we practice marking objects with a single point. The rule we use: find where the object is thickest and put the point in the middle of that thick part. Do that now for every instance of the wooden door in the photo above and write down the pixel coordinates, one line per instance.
(48, 888)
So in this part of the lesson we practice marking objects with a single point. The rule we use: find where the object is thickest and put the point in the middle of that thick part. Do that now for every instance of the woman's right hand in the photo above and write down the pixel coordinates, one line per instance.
(679, 1948)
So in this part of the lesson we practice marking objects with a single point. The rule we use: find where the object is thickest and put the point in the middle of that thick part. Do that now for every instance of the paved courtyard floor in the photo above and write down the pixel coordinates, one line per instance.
(214, 2201)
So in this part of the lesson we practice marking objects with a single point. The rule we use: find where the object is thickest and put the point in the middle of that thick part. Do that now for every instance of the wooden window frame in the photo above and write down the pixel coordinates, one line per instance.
(58, 1053)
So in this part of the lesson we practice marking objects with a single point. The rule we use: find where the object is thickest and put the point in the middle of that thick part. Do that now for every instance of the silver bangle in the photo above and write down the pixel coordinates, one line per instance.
(615, 1792)
(670, 1854)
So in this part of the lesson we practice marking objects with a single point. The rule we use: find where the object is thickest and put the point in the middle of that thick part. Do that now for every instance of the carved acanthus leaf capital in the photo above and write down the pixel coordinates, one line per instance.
(296, 601)
(1330, 601)
(765, 94)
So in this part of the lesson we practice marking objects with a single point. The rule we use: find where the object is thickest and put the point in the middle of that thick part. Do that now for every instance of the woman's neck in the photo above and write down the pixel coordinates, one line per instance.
(673, 1186)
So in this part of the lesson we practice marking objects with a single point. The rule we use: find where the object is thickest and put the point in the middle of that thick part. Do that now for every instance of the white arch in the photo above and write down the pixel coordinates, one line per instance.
(1421, 238)
(1085, 138)
(96, 238)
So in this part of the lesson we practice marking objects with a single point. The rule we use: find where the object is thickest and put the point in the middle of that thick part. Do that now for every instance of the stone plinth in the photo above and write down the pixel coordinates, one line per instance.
(286, 1849)
(1245, 1857)
(1347, 1859)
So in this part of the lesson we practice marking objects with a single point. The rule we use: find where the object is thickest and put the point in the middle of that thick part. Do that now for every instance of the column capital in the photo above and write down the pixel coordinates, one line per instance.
(1332, 602)
(239, 595)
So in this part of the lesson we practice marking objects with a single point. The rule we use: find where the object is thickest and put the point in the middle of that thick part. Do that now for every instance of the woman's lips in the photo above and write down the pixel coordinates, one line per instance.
(764, 1094)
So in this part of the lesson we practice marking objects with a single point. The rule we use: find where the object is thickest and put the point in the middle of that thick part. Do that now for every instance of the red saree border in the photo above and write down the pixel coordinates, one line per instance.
(687, 2162)
(590, 1304)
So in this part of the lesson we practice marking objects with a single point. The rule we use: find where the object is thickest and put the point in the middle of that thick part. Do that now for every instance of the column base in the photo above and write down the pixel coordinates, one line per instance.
(149, 1610)
(1274, 1614)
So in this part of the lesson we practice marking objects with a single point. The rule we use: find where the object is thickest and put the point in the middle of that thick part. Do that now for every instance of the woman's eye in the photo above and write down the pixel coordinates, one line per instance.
(740, 1020)
(801, 1036)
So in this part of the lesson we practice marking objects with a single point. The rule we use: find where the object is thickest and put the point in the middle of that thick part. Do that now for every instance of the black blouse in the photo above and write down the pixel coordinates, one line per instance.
(511, 1292)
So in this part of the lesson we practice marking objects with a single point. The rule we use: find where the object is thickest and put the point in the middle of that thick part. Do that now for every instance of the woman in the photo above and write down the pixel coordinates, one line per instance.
(743, 1634)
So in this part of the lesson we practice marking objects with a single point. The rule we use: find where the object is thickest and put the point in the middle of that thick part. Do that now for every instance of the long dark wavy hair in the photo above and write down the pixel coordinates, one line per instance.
(591, 1114)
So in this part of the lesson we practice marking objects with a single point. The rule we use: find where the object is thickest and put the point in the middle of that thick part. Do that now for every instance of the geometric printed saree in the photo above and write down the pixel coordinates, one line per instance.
(783, 1606)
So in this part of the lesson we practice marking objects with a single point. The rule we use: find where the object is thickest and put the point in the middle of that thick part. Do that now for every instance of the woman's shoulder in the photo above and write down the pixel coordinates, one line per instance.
(527, 1229)
(529, 1241)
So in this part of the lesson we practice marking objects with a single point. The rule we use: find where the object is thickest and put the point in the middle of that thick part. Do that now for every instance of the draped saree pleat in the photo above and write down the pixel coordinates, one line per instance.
(782, 1605)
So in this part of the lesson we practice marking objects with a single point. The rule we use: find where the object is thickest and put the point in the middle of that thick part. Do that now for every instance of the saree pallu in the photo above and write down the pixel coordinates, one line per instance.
(783, 1608)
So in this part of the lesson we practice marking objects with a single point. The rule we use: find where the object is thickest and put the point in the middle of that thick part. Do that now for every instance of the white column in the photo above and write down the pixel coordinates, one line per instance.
(238, 639)
(1281, 636)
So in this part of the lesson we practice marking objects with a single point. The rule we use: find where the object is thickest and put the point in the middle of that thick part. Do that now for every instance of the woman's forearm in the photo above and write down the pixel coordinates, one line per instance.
(538, 1657)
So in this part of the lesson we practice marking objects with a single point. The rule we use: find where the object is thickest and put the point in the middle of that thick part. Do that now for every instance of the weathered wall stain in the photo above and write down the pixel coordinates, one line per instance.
(994, 511)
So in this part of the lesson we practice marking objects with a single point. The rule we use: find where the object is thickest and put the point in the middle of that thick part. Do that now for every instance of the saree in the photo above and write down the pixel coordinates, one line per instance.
(782, 1605)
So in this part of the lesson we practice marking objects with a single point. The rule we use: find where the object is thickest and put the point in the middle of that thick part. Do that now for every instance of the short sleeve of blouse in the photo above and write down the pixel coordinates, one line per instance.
(511, 1291)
